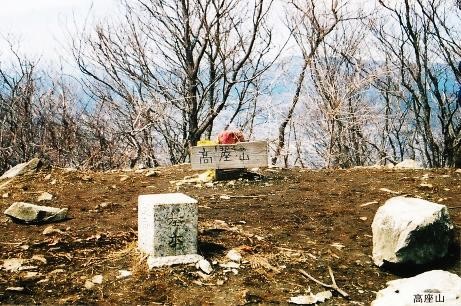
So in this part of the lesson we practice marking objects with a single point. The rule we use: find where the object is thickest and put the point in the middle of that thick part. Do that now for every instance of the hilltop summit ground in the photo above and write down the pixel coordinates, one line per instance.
(289, 220)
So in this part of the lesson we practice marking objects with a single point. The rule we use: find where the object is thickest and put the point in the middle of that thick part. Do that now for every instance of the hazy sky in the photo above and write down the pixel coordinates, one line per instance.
(41, 25)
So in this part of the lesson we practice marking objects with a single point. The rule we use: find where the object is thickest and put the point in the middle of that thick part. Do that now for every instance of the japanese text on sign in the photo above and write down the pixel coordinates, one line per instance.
(240, 155)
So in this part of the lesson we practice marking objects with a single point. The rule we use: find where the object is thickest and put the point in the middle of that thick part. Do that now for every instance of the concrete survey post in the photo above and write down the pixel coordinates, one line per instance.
(167, 228)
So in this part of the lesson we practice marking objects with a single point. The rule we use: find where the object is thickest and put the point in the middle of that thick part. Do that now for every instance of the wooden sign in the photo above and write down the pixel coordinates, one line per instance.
(233, 156)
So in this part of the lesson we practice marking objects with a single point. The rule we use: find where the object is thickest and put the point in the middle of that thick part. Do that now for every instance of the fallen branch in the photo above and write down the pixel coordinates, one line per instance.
(333, 286)
(453, 207)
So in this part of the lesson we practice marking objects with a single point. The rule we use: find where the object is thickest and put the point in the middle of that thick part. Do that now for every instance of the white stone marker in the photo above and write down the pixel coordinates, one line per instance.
(167, 229)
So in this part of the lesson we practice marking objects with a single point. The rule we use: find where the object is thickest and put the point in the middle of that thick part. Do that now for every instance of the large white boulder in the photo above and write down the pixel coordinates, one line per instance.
(437, 287)
(410, 230)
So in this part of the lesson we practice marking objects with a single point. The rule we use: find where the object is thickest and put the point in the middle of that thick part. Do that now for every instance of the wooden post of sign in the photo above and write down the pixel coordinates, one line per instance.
(229, 157)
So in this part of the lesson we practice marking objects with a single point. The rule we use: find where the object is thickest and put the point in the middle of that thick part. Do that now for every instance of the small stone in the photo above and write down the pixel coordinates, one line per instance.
(337, 245)
(363, 218)
(425, 176)
(29, 276)
(53, 182)
(425, 186)
(42, 281)
(87, 178)
(234, 255)
(124, 274)
(209, 185)
(50, 230)
(24, 247)
(89, 285)
(220, 282)
(6, 195)
(311, 298)
(152, 173)
(204, 265)
(97, 279)
(124, 178)
(48, 177)
(45, 196)
(26, 268)
(40, 258)
(104, 205)
(303, 300)
(13, 264)
(15, 289)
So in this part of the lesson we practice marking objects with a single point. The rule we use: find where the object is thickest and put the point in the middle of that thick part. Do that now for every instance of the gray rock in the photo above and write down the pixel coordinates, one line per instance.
(409, 164)
(21, 169)
(50, 230)
(31, 276)
(30, 213)
(89, 285)
(97, 279)
(15, 289)
(437, 286)
(13, 264)
(122, 274)
(204, 265)
(151, 173)
(45, 196)
(311, 298)
(410, 230)
(40, 258)
(234, 255)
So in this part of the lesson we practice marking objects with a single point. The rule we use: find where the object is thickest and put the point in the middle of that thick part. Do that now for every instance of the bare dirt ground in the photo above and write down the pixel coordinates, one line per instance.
(289, 220)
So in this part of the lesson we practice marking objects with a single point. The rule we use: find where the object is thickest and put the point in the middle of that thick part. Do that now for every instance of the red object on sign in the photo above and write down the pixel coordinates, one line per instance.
(230, 137)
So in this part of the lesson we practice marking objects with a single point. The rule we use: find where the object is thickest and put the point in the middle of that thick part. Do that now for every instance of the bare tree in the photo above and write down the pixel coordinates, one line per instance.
(172, 67)
(424, 38)
(310, 22)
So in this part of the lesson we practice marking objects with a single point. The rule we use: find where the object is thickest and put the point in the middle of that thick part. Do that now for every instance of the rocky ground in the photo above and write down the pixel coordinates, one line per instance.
(286, 221)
